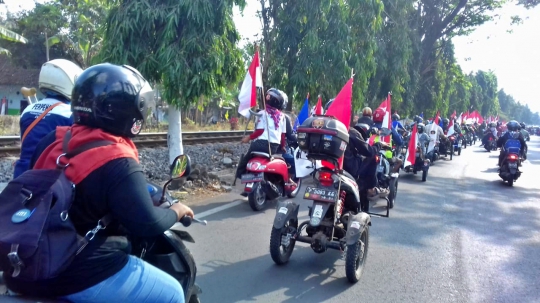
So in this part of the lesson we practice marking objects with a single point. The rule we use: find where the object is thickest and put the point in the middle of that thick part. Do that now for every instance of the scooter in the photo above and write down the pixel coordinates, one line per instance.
(167, 252)
(267, 178)
(509, 170)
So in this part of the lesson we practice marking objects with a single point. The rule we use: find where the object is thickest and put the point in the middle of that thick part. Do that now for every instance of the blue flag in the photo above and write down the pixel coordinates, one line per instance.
(302, 115)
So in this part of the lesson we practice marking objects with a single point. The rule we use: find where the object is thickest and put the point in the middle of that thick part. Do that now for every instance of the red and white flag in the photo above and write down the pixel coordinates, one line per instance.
(248, 92)
(410, 158)
(386, 105)
(437, 118)
(318, 106)
(451, 130)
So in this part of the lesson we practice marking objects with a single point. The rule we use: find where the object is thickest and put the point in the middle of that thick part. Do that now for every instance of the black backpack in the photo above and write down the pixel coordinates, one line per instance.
(37, 238)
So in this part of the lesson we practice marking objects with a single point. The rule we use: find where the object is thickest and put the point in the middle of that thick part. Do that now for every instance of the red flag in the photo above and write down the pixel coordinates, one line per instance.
(451, 130)
(318, 107)
(248, 92)
(453, 116)
(437, 118)
(410, 159)
(341, 108)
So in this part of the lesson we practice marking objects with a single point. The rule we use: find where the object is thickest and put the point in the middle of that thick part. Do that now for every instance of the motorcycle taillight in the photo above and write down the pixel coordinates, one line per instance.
(377, 158)
(512, 157)
(325, 178)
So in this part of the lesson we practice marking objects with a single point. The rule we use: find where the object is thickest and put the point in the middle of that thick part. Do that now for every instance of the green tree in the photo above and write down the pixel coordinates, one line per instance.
(188, 46)
(9, 35)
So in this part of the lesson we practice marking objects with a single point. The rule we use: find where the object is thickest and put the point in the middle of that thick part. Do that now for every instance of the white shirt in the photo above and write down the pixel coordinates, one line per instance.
(275, 134)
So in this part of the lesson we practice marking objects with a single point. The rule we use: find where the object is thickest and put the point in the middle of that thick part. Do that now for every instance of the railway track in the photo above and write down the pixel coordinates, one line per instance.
(12, 144)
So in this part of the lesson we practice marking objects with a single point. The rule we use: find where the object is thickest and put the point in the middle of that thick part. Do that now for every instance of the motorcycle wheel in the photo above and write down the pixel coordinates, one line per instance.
(355, 259)
(511, 181)
(459, 152)
(295, 192)
(393, 193)
(257, 197)
(464, 142)
(424, 175)
(451, 152)
(278, 252)
(194, 299)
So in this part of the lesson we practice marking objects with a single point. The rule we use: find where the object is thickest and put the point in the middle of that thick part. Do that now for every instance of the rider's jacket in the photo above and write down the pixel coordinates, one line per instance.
(58, 116)
(508, 135)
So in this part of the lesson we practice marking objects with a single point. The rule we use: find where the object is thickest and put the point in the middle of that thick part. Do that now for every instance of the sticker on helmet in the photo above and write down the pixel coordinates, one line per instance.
(136, 128)
(317, 123)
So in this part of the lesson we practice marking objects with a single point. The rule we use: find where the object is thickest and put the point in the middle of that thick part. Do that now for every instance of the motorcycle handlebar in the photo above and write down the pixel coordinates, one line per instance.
(187, 220)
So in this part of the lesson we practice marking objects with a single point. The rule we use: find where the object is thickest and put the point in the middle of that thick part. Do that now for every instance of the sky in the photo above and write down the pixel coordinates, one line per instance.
(513, 57)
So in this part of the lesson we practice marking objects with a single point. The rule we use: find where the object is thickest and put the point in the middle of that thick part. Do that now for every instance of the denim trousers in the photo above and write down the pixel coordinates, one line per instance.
(137, 282)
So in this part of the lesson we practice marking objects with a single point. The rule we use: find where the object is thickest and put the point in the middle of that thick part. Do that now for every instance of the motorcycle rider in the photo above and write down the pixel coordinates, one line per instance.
(436, 133)
(367, 117)
(109, 180)
(396, 124)
(396, 140)
(491, 132)
(513, 127)
(56, 79)
(275, 132)
(360, 164)
(524, 132)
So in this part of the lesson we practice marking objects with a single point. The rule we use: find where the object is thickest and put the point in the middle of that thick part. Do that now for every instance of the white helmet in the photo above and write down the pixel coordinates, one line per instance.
(58, 76)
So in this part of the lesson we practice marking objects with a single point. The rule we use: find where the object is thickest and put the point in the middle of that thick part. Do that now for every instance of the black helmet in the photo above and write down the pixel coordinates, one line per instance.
(513, 126)
(445, 121)
(276, 98)
(395, 117)
(327, 105)
(418, 119)
(523, 125)
(364, 129)
(111, 97)
(420, 128)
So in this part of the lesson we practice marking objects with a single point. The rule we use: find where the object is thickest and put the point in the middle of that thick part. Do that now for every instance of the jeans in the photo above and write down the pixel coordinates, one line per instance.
(138, 281)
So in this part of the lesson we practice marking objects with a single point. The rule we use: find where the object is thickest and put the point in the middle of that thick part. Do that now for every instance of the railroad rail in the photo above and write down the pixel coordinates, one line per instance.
(12, 144)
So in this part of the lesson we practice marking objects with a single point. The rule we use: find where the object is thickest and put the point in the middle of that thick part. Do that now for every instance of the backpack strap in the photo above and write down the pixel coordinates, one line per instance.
(106, 220)
(43, 114)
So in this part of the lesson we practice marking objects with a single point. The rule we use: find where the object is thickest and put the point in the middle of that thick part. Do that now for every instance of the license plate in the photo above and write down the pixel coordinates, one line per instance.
(513, 165)
(380, 169)
(249, 185)
(320, 194)
(249, 178)
(459, 145)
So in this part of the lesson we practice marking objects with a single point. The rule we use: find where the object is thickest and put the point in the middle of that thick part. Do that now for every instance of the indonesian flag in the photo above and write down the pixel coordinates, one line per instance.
(318, 107)
(248, 92)
(341, 108)
(410, 158)
(453, 116)
(451, 130)
(386, 105)
(466, 116)
(437, 118)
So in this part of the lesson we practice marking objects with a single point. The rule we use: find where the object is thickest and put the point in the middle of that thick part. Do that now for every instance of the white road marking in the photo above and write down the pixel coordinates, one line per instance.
(218, 209)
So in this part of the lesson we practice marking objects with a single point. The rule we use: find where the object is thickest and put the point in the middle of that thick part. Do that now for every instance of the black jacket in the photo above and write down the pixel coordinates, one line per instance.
(502, 140)
(358, 158)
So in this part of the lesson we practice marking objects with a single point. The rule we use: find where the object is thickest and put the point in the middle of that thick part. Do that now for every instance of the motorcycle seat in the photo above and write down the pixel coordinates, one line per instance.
(266, 155)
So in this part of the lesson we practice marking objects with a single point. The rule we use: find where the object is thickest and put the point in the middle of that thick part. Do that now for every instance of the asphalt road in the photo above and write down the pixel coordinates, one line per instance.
(462, 236)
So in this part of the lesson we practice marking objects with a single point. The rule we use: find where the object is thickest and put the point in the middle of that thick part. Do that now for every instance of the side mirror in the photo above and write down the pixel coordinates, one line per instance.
(181, 167)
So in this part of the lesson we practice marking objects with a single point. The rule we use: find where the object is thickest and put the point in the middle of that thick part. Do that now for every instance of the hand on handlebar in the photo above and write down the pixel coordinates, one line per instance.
(182, 210)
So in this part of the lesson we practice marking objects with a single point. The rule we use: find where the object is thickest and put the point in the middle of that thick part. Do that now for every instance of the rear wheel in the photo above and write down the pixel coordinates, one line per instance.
(424, 175)
(282, 253)
(356, 257)
(257, 197)
(459, 152)
(511, 181)
(451, 151)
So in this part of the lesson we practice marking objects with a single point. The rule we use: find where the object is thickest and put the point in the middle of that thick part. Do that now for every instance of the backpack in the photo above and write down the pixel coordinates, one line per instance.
(37, 238)
(378, 115)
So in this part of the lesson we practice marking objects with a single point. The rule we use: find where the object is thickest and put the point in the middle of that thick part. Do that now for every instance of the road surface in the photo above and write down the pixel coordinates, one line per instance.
(462, 236)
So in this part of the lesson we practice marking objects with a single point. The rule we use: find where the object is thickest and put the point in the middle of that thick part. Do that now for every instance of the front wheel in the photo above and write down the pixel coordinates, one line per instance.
(257, 197)
(393, 193)
(356, 257)
(281, 252)
(451, 152)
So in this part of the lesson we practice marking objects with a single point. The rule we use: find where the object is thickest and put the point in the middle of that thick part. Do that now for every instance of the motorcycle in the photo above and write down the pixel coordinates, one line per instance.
(509, 170)
(166, 252)
(491, 144)
(384, 178)
(446, 147)
(421, 162)
(456, 144)
(267, 179)
(336, 220)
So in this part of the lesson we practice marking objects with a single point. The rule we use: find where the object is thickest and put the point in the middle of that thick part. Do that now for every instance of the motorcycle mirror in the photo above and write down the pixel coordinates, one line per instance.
(180, 167)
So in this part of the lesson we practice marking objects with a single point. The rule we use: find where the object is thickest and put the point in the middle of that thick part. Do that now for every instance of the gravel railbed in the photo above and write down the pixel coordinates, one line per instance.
(208, 160)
